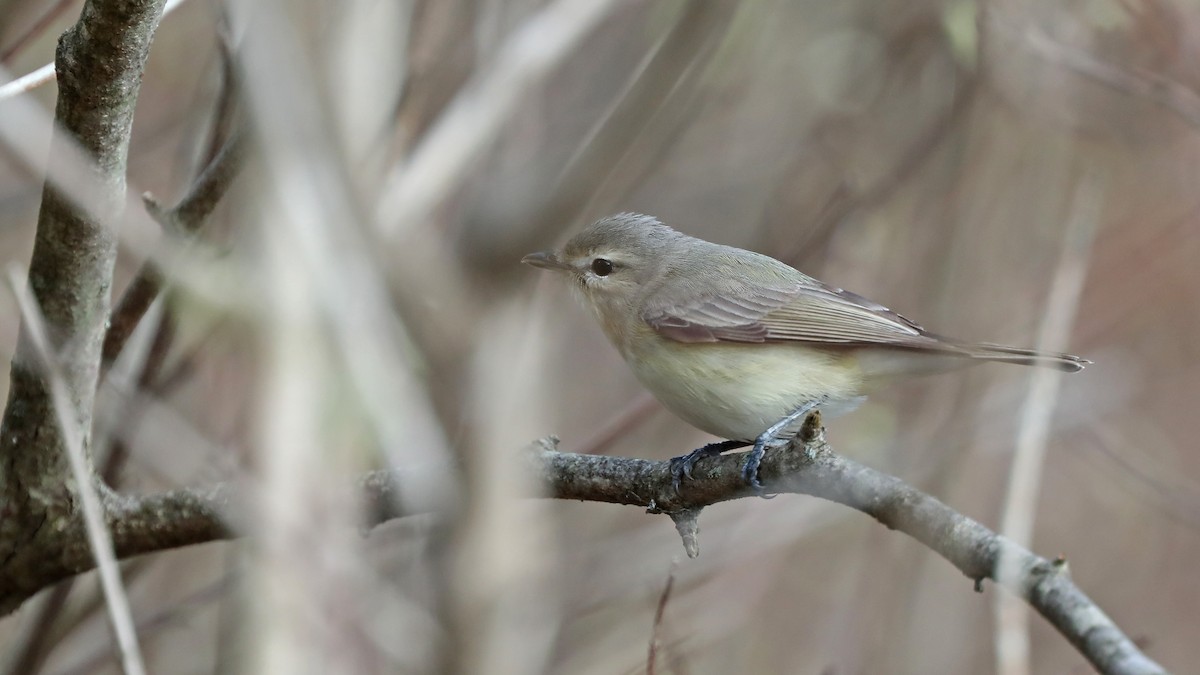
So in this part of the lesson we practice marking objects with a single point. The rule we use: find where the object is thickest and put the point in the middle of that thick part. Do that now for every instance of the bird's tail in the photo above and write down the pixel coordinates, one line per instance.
(1025, 357)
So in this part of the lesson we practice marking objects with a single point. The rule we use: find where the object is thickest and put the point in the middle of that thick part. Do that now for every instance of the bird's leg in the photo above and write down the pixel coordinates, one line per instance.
(755, 456)
(681, 467)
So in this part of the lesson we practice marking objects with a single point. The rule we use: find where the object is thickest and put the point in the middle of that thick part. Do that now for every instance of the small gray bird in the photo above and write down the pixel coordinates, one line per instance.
(741, 345)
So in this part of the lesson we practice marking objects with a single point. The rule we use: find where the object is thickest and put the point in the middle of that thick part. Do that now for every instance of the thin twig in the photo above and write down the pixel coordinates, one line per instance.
(186, 218)
(659, 612)
(161, 619)
(27, 82)
(98, 535)
(46, 73)
(1025, 475)
(1161, 90)
(472, 120)
(662, 85)
(35, 29)
(29, 655)
(620, 424)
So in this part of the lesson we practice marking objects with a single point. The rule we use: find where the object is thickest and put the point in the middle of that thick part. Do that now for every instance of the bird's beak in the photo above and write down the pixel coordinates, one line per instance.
(546, 260)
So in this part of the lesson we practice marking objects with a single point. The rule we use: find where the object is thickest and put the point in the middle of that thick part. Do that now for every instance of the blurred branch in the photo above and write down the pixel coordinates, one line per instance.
(179, 612)
(660, 613)
(37, 28)
(845, 201)
(1172, 95)
(1025, 474)
(469, 125)
(98, 537)
(46, 73)
(185, 219)
(620, 424)
(664, 82)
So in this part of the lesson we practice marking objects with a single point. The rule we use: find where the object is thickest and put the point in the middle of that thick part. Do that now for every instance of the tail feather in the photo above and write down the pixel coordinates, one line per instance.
(1026, 357)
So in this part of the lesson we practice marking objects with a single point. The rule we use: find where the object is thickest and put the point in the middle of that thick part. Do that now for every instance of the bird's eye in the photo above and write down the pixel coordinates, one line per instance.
(602, 267)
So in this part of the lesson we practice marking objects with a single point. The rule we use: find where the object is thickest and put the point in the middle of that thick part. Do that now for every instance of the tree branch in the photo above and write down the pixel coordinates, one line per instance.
(99, 539)
(190, 516)
(814, 469)
(100, 62)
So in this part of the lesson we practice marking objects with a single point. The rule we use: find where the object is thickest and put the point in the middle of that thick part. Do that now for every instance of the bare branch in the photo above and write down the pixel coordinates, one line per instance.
(808, 466)
(73, 439)
(811, 468)
(100, 62)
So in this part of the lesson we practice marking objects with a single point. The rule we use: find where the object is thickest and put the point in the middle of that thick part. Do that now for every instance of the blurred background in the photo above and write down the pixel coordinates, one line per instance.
(1011, 171)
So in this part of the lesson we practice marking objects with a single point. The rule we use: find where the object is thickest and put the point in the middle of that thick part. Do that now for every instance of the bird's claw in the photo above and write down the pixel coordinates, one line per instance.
(682, 466)
(770, 436)
(753, 462)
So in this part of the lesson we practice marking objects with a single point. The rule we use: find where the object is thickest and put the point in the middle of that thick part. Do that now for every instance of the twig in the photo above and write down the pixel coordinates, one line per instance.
(28, 656)
(1172, 95)
(40, 24)
(46, 73)
(1025, 475)
(27, 82)
(186, 218)
(161, 619)
(93, 516)
(619, 425)
(659, 613)
(471, 121)
(665, 81)
(189, 215)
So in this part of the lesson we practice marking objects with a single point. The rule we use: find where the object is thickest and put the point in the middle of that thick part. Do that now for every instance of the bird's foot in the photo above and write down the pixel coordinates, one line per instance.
(681, 467)
(753, 461)
(771, 437)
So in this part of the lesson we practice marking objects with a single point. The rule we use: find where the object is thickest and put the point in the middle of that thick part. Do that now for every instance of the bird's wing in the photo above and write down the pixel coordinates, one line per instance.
(784, 311)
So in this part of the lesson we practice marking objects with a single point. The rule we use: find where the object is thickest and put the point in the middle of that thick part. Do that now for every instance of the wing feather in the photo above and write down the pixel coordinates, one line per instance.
(798, 311)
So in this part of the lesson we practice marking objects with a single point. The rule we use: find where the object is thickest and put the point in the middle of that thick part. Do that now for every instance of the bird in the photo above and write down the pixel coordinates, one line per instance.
(741, 345)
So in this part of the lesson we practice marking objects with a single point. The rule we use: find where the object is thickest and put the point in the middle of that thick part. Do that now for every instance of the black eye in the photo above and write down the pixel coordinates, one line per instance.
(602, 267)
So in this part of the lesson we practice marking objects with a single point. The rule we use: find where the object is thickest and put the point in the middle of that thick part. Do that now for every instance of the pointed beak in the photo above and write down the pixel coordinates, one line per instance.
(546, 260)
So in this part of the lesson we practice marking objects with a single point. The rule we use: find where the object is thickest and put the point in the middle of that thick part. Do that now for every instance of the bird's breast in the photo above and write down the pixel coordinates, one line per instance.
(734, 390)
